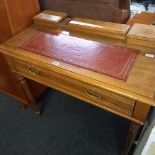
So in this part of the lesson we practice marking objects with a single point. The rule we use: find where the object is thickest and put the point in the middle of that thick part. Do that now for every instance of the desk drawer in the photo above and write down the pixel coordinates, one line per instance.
(81, 90)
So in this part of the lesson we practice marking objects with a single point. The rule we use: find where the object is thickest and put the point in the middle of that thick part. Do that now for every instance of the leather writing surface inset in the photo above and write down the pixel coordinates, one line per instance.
(106, 59)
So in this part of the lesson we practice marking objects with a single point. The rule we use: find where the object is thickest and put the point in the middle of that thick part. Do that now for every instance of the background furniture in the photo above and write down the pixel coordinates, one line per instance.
(142, 18)
(15, 16)
(105, 10)
(141, 1)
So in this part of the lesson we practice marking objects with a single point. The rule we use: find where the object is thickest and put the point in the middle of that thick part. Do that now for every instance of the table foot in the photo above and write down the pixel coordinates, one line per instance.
(132, 133)
(39, 113)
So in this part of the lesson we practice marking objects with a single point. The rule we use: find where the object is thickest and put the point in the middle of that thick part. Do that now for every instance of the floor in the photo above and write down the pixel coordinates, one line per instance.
(68, 127)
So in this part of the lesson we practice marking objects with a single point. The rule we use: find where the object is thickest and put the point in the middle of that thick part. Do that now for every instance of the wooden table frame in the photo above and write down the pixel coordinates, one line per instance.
(70, 80)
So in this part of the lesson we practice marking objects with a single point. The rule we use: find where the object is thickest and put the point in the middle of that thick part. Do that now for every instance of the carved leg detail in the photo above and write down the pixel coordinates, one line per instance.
(28, 93)
(132, 133)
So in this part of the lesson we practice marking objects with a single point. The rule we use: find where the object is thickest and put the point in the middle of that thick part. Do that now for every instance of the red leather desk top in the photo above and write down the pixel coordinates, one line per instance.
(106, 59)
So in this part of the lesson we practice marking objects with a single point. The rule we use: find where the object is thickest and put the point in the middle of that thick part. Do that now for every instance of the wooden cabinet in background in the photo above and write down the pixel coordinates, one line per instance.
(16, 15)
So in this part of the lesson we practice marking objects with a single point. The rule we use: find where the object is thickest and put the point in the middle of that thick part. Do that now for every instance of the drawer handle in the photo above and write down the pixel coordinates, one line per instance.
(94, 94)
(33, 71)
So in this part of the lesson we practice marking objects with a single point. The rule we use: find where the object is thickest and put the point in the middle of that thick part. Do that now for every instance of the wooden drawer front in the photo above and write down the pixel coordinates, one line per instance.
(76, 88)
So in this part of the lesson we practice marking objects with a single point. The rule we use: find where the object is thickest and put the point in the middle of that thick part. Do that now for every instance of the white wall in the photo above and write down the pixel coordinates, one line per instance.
(149, 148)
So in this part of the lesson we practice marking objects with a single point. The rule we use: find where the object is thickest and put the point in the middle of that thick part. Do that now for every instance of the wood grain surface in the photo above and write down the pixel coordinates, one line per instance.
(14, 17)
(139, 87)
(49, 18)
(141, 34)
(106, 29)
(142, 18)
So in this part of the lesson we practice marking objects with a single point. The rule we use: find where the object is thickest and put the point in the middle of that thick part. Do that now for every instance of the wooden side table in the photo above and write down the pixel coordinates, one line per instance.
(142, 18)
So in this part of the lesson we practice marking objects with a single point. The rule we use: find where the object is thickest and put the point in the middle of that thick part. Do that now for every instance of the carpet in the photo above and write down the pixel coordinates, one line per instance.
(68, 127)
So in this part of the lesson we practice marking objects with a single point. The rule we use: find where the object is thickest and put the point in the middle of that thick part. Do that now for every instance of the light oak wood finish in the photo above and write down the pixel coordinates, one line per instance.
(142, 18)
(131, 99)
(141, 111)
(87, 92)
(132, 90)
(95, 35)
(49, 18)
(141, 34)
(14, 17)
(104, 29)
